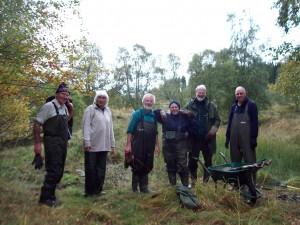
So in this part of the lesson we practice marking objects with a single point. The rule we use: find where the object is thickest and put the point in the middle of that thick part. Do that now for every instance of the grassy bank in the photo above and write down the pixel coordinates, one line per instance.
(20, 187)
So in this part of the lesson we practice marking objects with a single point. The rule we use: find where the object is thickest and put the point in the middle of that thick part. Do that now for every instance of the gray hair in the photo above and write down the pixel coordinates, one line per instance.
(148, 95)
(201, 87)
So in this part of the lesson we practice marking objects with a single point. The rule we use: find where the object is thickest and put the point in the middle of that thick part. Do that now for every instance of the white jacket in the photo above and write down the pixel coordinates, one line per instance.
(97, 128)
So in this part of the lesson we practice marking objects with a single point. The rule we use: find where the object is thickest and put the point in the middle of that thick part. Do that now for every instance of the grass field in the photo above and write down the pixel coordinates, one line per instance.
(279, 140)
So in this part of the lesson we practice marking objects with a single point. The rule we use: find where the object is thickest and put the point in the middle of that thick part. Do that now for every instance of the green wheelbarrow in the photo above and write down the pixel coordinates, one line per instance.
(239, 176)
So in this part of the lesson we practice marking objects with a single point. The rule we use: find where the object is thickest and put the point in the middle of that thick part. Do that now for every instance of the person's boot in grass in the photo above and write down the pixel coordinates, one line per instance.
(135, 182)
(172, 178)
(184, 180)
(193, 179)
(144, 184)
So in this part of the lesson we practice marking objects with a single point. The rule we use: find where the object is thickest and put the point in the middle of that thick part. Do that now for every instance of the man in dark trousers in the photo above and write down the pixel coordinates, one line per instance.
(207, 115)
(53, 117)
(242, 129)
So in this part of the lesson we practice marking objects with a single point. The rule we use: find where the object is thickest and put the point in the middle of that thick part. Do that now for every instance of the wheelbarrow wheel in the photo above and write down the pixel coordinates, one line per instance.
(249, 192)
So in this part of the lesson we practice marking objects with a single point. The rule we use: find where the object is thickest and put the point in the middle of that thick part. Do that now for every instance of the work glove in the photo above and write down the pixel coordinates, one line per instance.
(38, 161)
(253, 143)
(227, 143)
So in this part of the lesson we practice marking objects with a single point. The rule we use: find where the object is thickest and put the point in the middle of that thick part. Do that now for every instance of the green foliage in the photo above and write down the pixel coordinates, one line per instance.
(135, 75)
(173, 85)
(289, 13)
(14, 119)
(86, 61)
(30, 64)
(223, 71)
(218, 72)
(288, 82)
(79, 103)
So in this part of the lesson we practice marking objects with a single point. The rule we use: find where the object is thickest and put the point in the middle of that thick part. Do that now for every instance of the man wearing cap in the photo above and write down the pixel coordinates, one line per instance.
(53, 117)
(206, 113)
(175, 126)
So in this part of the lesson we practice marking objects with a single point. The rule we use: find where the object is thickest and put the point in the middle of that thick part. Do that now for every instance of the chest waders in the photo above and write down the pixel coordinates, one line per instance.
(174, 152)
(55, 144)
(240, 136)
(143, 146)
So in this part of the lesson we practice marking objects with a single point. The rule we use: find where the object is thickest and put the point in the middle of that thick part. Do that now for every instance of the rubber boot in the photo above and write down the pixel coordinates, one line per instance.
(172, 178)
(144, 183)
(193, 179)
(184, 180)
(135, 182)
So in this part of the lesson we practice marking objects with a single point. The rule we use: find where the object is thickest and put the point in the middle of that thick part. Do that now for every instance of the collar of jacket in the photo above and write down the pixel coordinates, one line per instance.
(96, 107)
(246, 100)
(146, 112)
(206, 100)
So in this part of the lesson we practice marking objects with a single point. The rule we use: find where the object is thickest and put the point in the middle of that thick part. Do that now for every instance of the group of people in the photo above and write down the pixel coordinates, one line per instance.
(185, 132)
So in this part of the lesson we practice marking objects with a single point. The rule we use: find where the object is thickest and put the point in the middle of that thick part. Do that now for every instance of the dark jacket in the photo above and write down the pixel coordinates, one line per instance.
(252, 112)
(174, 122)
(213, 118)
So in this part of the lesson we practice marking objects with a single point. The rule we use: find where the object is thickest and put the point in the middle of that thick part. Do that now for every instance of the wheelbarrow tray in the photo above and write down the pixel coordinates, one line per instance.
(229, 173)
(234, 174)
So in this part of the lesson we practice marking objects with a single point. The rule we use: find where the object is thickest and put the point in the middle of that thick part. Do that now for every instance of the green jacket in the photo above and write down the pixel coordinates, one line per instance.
(213, 119)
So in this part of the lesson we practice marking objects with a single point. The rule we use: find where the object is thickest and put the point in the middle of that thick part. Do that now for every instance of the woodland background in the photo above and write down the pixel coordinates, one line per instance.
(36, 55)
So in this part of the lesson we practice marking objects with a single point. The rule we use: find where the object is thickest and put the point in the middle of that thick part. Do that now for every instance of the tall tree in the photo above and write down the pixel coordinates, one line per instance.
(172, 87)
(218, 72)
(287, 84)
(135, 74)
(253, 74)
(87, 64)
(243, 36)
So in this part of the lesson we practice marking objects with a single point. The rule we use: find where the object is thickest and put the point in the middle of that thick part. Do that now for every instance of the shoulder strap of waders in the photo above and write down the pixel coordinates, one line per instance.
(142, 119)
(246, 112)
(56, 109)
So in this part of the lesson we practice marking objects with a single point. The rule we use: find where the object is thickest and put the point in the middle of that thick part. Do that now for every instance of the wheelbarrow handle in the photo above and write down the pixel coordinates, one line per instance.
(260, 164)
(222, 154)
(204, 167)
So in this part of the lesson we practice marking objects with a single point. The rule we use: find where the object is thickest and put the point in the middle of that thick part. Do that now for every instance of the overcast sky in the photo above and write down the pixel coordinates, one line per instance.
(182, 27)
